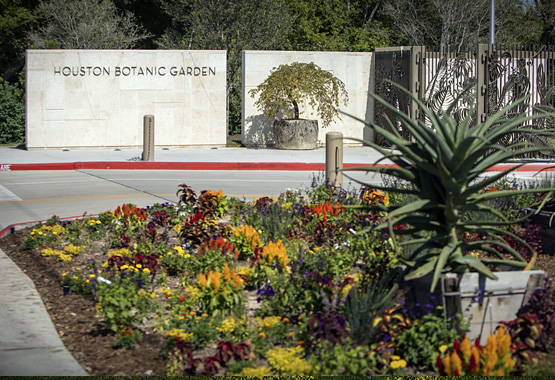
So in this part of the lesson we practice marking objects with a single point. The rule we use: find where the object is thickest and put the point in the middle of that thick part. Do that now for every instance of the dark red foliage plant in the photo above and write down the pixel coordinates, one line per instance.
(542, 304)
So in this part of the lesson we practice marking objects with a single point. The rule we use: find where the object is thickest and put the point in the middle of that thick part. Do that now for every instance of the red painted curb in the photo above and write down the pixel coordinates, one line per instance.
(282, 166)
(115, 165)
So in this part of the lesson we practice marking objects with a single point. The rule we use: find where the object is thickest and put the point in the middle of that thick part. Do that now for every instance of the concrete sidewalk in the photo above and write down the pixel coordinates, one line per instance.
(29, 342)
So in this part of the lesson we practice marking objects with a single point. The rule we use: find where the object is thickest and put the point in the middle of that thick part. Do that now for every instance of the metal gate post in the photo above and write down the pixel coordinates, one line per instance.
(482, 80)
(416, 78)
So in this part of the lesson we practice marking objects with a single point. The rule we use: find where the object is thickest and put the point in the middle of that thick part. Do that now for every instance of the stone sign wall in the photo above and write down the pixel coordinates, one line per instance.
(98, 98)
(354, 69)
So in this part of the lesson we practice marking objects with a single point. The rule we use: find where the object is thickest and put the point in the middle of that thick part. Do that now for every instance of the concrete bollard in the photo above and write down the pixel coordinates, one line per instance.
(334, 158)
(148, 138)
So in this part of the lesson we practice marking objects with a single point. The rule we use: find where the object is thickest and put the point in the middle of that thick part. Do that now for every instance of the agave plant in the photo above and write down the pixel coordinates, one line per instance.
(444, 161)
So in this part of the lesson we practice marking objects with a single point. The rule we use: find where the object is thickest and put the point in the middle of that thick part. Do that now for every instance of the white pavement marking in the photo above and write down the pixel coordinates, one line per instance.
(7, 195)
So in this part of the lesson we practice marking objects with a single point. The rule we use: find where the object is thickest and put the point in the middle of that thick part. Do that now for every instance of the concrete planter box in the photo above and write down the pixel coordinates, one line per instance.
(296, 134)
(482, 301)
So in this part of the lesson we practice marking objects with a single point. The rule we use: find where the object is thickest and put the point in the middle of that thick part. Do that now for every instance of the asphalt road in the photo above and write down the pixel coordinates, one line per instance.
(28, 196)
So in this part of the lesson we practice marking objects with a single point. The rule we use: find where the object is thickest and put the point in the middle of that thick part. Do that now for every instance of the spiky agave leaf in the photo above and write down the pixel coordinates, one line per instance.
(445, 161)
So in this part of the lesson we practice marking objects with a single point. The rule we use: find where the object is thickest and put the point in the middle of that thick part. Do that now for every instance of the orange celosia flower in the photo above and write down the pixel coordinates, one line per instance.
(202, 280)
(215, 278)
(503, 342)
(465, 348)
(447, 365)
(275, 252)
(474, 364)
(456, 363)
(237, 280)
(227, 276)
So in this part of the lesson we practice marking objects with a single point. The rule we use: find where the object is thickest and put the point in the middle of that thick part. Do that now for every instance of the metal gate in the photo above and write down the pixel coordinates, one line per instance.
(490, 77)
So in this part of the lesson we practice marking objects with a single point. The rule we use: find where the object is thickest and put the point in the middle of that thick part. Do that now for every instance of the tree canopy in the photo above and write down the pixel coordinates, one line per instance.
(237, 25)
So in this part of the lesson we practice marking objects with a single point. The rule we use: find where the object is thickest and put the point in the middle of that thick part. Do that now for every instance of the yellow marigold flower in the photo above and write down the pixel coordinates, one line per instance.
(146, 270)
(122, 252)
(74, 250)
(192, 313)
(270, 321)
(228, 325)
(47, 252)
(63, 257)
(64, 274)
(291, 334)
(179, 250)
(397, 363)
(178, 334)
(262, 335)
(205, 315)
(98, 222)
(139, 266)
(92, 275)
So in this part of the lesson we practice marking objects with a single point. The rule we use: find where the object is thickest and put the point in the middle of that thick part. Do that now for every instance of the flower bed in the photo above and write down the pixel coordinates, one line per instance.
(300, 285)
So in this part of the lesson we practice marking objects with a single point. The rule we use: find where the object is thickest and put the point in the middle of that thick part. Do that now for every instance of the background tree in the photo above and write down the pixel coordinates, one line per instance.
(520, 13)
(12, 113)
(458, 24)
(232, 25)
(544, 12)
(338, 25)
(150, 15)
(84, 24)
(16, 19)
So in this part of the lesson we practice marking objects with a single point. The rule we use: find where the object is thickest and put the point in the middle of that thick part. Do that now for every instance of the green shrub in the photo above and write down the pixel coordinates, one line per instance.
(421, 344)
(12, 114)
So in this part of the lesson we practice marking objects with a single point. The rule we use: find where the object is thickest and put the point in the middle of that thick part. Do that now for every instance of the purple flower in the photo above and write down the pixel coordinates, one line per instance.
(266, 290)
